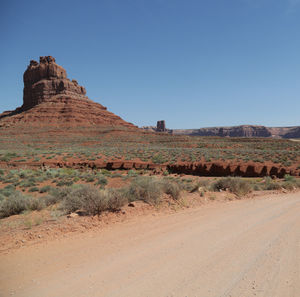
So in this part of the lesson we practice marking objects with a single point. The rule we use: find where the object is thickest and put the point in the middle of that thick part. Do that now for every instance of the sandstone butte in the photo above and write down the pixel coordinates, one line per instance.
(51, 99)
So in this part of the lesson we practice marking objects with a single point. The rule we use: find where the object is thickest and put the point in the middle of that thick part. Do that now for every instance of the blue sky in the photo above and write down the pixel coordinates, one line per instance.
(192, 63)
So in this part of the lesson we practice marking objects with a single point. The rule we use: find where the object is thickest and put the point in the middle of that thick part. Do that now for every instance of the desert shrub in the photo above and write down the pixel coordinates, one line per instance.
(105, 172)
(235, 185)
(87, 176)
(13, 204)
(64, 183)
(297, 182)
(132, 173)
(68, 171)
(159, 159)
(116, 199)
(8, 156)
(87, 198)
(90, 179)
(35, 203)
(27, 183)
(8, 190)
(32, 179)
(1, 172)
(147, 189)
(8, 179)
(290, 183)
(50, 200)
(116, 175)
(202, 185)
(101, 180)
(94, 201)
(60, 193)
(189, 186)
(171, 188)
(33, 189)
(71, 202)
(289, 178)
(257, 187)
(41, 178)
(2, 197)
(270, 184)
(45, 189)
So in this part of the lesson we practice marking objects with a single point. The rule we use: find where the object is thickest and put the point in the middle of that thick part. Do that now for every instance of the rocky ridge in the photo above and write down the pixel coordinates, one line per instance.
(235, 131)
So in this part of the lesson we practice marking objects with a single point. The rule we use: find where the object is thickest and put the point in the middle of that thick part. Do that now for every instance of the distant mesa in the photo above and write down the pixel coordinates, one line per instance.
(242, 131)
(232, 131)
(50, 98)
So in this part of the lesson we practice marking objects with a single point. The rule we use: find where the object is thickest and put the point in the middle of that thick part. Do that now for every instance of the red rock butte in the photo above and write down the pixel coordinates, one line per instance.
(51, 99)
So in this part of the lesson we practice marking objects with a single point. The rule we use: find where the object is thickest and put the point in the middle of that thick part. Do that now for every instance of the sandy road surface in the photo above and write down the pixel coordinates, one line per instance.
(238, 249)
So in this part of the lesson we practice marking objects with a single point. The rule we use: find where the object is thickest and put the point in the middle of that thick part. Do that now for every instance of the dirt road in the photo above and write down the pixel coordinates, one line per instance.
(238, 249)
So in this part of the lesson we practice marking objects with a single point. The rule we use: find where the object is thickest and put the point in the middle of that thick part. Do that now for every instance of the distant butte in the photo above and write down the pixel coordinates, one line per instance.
(51, 99)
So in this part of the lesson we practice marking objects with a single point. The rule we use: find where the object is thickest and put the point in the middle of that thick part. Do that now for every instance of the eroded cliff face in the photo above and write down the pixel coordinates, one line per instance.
(46, 79)
(51, 99)
(242, 131)
(235, 131)
(294, 132)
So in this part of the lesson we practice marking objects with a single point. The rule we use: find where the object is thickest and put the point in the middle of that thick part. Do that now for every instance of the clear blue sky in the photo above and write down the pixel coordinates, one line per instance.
(192, 63)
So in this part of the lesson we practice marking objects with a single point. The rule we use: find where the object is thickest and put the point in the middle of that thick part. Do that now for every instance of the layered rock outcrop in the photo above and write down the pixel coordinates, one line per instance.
(242, 131)
(235, 131)
(293, 133)
(46, 79)
(51, 99)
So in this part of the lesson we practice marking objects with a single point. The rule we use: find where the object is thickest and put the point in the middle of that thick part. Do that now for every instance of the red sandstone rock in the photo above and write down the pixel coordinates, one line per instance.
(46, 79)
(161, 126)
(51, 99)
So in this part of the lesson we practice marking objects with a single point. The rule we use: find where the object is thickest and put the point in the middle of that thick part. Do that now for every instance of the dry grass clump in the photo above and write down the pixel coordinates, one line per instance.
(290, 183)
(116, 199)
(16, 203)
(235, 185)
(171, 188)
(270, 184)
(92, 201)
(150, 189)
(13, 204)
(147, 189)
